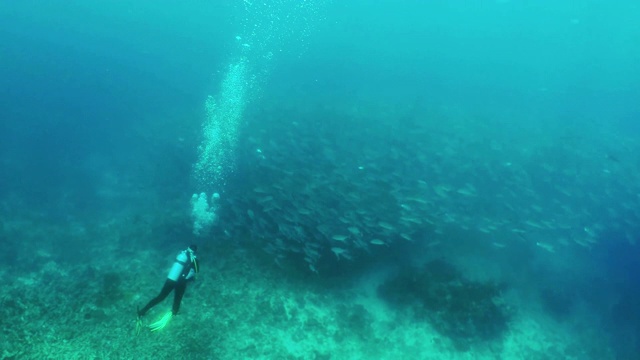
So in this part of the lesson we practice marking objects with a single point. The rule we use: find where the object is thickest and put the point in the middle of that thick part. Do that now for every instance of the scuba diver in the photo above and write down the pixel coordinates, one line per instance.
(183, 271)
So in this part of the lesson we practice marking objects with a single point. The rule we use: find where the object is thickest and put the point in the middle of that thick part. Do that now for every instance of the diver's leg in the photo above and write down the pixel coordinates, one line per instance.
(166, 289)
(181, 286)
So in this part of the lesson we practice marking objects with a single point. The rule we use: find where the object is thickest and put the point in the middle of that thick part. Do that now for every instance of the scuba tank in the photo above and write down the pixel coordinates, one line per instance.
(178, 266)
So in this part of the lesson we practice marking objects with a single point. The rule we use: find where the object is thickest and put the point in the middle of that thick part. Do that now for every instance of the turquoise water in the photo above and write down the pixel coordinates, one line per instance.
(365, 179)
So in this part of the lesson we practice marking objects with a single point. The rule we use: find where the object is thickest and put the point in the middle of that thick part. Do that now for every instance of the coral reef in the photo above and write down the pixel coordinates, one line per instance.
(465, 311)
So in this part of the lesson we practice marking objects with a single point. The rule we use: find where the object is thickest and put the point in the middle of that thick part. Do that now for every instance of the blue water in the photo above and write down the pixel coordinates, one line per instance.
(535, 104)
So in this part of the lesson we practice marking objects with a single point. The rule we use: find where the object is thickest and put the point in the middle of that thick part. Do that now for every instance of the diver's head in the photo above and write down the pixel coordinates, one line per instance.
(193, 248)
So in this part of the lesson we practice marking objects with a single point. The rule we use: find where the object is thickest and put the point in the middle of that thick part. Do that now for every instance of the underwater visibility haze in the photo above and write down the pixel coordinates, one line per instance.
(362, 179)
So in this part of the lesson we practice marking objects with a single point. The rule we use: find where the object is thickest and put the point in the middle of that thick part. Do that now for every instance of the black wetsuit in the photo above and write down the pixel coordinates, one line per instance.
(179, 286)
